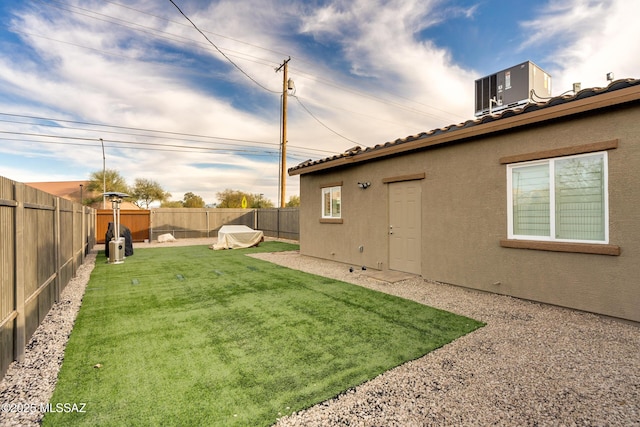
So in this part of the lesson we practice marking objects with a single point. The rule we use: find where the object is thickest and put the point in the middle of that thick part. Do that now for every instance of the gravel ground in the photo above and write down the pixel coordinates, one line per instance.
(532, 364)
(29, 384)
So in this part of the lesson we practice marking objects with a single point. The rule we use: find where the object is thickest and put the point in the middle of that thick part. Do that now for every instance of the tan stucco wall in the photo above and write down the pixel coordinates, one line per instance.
(363, 214)
(464, 217)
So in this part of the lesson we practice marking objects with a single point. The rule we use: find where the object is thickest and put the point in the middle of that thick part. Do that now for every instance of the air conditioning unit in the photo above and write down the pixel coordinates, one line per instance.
(511, 88)
(116, 251)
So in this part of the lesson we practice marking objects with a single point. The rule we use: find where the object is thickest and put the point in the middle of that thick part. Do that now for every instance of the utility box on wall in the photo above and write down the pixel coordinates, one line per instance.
(511, 88)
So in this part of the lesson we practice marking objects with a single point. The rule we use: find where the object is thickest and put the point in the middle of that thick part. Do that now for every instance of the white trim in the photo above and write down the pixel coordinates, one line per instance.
(552, 199)
(330, 191)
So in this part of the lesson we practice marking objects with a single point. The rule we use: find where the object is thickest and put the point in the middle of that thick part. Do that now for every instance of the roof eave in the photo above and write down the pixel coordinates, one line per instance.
(591, 103)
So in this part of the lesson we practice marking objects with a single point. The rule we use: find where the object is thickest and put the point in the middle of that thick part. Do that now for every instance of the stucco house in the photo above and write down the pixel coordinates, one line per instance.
(540, 202)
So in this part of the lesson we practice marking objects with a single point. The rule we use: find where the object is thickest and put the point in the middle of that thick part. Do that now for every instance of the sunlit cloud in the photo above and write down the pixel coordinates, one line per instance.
(365, 72)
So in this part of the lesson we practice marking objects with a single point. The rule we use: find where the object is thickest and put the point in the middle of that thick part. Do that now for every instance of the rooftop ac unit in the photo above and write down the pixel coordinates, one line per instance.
(511, 88)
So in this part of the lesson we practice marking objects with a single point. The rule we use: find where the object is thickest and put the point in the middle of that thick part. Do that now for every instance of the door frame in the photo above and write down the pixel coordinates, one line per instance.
(410, 266)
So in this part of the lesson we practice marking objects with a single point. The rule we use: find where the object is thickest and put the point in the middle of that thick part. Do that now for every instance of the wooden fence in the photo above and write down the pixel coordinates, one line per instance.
(193, 222)
(137, 221)
(43, 241)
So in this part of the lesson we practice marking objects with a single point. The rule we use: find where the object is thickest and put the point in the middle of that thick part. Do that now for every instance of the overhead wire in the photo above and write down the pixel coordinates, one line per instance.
(380, 99)
(186, 25)
(267, 62)
(124, 142)
(221, 52)
(181, 150)
(318, 78)
(377, 98)
(238, 54)
(234, 64)
(173, 137)
(145, 146)
(321, 123)
(173, 38)
(228, 59)
(140, 28)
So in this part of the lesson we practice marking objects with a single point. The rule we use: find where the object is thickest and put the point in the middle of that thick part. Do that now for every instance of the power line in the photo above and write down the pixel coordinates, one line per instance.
(117, 141)
(274, 144)
(206, 31)
(316, 78)
(174, 38)
(148, 146)
(318, 120)
(377, 98)
(221, 52)
(145, 145)
(140, 28)
(299, 60)
(90, 143)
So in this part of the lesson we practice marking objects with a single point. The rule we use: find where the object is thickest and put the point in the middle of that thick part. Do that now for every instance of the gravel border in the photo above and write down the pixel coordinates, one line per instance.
(29, 384)
(532, 364)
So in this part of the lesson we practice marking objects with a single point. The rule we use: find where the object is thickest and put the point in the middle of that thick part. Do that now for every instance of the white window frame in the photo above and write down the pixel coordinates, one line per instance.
(331, 191)
(552, 199)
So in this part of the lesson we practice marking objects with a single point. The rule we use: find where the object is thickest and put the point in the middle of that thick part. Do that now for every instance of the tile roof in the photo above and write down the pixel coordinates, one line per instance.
(448, 133)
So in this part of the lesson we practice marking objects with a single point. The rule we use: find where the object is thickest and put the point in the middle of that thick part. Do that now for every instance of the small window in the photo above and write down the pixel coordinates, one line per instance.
(331, 201)
(563, 199)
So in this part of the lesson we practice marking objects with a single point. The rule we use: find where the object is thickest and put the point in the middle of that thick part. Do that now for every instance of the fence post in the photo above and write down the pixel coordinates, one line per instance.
(20, 340)
(152, 215)
(83, 233)
(56, 248)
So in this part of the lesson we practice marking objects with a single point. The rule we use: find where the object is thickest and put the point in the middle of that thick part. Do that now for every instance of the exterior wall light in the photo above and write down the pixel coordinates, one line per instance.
(364, 185)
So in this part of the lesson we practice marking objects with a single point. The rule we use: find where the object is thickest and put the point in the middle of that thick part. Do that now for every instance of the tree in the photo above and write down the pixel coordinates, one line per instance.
(172, 204)
(192, 201)
(146, 191)
(233, 199)
(257, 201)
(113, 180)
(294, 202)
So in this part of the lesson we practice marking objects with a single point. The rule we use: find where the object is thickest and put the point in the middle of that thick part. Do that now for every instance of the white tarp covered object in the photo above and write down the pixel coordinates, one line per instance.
(168, 237)
(237, 236)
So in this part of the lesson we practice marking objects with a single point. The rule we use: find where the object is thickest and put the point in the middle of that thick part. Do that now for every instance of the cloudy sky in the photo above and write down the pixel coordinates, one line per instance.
(201, 116)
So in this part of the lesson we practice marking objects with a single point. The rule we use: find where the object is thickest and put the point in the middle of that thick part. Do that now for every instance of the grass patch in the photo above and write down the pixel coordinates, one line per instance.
(189, 336)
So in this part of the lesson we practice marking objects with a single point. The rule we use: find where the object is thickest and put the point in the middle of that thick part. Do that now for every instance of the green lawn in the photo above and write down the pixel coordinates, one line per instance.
(189, 336)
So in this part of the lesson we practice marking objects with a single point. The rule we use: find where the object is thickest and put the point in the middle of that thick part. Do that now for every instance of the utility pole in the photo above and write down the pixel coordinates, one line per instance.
(283, 161)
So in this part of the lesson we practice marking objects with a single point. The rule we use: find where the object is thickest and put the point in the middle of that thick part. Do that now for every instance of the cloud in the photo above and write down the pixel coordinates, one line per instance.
(90, 86)
(111, 71)
(362, 68)
(588, 39)
(381, 42)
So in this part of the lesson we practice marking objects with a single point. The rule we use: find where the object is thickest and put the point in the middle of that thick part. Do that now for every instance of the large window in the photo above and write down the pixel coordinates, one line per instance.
(331, 201)
(562, 199)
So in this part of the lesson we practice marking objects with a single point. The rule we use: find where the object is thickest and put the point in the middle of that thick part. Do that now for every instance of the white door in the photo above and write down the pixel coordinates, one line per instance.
(405, 201)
